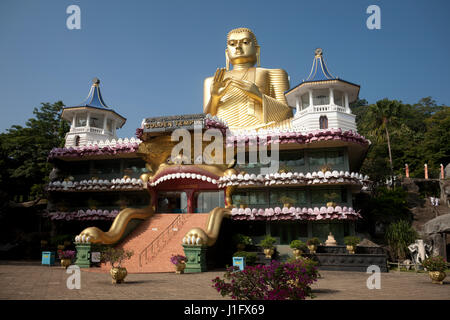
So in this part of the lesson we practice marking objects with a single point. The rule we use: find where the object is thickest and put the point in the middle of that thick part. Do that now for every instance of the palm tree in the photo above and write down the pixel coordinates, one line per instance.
(384, 114)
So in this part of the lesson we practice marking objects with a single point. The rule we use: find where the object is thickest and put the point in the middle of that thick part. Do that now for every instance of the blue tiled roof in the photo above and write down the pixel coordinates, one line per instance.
(94, 98)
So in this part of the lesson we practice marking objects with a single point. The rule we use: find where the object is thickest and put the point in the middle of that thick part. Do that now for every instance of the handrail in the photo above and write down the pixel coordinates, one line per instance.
(177, 221)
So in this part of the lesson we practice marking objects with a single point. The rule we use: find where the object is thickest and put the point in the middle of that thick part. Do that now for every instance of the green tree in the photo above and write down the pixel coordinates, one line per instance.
(25, 150)
(384, 114)
(436, 142)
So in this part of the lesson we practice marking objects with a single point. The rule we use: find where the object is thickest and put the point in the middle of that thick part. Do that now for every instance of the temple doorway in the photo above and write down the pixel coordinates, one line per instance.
(172, 202)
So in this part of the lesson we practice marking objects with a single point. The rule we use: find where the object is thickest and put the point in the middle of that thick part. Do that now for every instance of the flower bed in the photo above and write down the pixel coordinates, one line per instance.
(82, 215)
(277, 281)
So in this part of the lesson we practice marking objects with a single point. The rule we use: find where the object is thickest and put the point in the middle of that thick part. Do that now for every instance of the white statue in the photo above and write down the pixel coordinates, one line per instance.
(419, 251)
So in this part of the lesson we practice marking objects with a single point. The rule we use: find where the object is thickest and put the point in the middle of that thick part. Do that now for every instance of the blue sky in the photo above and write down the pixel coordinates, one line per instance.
(152, 56)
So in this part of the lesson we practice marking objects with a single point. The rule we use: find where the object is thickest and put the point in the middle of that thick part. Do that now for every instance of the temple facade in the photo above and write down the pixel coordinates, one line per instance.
(159, 205)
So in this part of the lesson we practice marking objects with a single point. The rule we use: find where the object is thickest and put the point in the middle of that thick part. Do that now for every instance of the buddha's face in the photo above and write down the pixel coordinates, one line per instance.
(240, 48)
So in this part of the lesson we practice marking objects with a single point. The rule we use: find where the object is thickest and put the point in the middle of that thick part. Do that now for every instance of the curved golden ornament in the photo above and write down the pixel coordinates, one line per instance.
(118, 227)
(209, 235)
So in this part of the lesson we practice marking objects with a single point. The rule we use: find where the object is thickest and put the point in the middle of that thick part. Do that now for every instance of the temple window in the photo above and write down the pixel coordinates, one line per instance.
(305, 101)
(332, 159)
(109, 123)
(320, 197)
(298, 197)
(321, 97)
(208, 200)
(293, 160)
(96, 121)
(80, 120)
(288, 231)
(323, 122)
(338, 98)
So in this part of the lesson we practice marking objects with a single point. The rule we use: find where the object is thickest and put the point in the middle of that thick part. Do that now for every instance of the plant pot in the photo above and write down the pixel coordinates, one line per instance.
(240, 246)
(351, 249)
(179, 268)
(437, 276)
(297, 253)
(118, 274)
(66, 263)
(312, 248)
(269, 252)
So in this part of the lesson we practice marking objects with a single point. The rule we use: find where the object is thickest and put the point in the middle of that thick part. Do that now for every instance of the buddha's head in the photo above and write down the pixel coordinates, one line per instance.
(242, 47)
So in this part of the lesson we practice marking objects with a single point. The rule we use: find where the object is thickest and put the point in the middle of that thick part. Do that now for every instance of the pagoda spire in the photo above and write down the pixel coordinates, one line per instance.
(94, 98)
(319, 70)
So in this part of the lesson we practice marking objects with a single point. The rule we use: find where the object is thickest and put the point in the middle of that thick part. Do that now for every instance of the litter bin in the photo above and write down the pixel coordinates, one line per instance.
(239, 262)
(48, 258)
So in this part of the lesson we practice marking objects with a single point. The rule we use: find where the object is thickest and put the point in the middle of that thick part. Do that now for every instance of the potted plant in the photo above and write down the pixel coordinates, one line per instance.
(287, 201)
(436, 268)
(351, 242)
(298, 247)
(66, 257)
(325, 168)
(331, 197)
(116, 256)
(312, 244)
(180, 263)
(285, 169)
(242, 204)
(241, 241)
(268, 244)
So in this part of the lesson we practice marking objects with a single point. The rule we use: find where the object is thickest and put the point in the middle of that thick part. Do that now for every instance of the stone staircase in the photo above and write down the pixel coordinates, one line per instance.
(155, 240)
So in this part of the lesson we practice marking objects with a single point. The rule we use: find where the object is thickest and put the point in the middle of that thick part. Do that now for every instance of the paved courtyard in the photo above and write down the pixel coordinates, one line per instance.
(30, 280)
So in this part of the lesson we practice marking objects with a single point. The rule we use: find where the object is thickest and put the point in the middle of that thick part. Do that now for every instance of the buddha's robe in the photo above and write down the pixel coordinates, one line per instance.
(241, 111)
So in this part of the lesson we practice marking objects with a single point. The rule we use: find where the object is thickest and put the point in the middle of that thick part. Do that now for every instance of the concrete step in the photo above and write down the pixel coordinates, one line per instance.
(150, 230)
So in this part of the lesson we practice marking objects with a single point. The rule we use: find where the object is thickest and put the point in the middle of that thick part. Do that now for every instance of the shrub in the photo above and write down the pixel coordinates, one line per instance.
(268, 242)
(113, 256)
(352, 241)
(313, 241)
(67, 254)
(177, 259)
(310, 265)
(250, 257)
(435, 264)
(298, 244)
(242, 239)
(399, 235)
(277, 281)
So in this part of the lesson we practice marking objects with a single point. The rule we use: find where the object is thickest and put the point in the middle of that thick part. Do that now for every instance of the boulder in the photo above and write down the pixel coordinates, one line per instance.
(440, 224)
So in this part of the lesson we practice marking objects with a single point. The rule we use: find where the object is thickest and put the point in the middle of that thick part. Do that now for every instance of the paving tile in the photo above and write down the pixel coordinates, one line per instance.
(21, 281)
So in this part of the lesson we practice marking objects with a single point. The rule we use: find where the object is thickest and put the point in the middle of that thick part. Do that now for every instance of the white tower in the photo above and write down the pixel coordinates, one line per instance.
(322, 101)
(92, 120)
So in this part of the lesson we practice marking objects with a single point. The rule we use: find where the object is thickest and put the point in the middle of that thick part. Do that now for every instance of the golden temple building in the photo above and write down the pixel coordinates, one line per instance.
(134, 194)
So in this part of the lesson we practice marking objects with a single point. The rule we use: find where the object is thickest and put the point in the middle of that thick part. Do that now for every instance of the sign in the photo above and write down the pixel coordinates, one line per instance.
(239, 262)
(95, 256)
(171, 123)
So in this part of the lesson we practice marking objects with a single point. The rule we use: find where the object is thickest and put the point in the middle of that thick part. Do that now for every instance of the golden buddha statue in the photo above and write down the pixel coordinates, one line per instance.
(247, 96)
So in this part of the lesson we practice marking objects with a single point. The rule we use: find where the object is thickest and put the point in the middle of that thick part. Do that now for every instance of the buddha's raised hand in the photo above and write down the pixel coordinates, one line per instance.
(219, 86)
